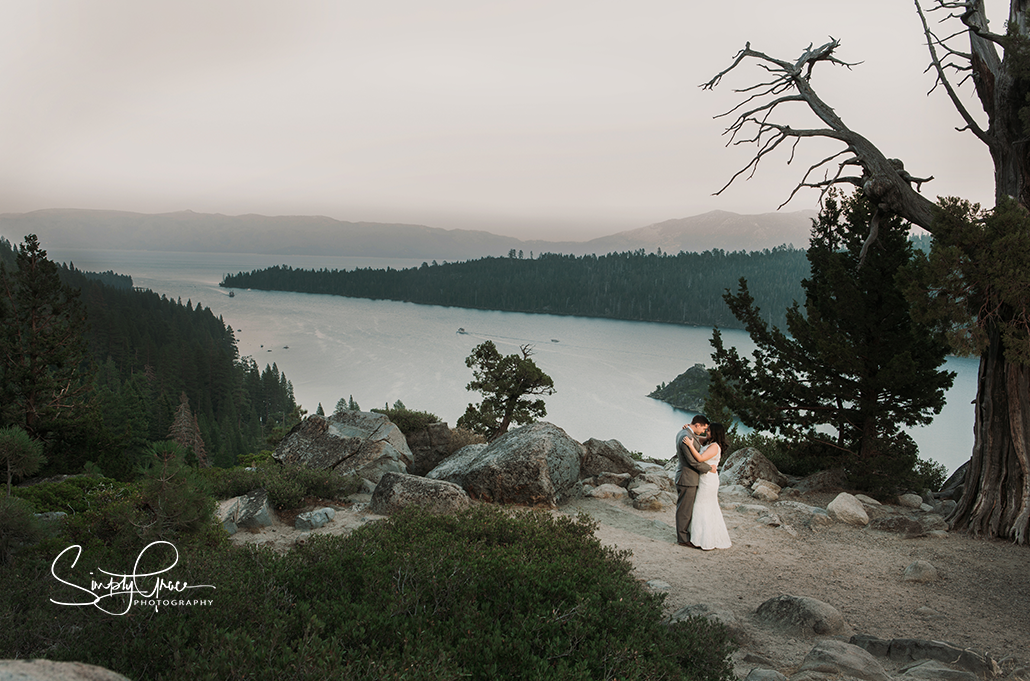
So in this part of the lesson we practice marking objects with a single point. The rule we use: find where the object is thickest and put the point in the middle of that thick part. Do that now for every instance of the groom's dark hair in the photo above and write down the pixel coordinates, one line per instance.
(700, 419)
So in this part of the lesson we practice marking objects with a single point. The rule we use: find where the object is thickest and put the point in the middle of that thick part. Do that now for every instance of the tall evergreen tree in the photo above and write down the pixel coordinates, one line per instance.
(185, 431)
(854, 367)
(44, 370)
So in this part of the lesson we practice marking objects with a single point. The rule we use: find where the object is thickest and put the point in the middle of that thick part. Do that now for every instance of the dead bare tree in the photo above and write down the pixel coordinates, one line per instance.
(996, 502)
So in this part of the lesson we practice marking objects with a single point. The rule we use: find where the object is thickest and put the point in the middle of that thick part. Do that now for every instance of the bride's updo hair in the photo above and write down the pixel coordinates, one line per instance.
(717, 434)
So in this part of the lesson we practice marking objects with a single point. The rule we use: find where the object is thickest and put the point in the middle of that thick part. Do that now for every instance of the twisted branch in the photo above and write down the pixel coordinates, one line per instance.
(883, 180)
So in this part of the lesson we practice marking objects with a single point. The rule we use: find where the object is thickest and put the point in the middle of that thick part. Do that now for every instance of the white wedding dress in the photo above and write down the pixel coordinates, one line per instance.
(707, 528)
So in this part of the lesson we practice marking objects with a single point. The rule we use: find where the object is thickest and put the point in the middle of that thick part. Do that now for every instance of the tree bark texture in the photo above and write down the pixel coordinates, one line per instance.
(996, 498)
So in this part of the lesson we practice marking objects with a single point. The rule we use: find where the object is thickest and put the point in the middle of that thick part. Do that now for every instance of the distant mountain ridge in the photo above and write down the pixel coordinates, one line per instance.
(319, 235)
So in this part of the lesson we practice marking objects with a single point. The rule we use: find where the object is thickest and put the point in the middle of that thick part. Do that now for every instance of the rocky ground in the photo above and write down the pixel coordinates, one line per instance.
(980, 599)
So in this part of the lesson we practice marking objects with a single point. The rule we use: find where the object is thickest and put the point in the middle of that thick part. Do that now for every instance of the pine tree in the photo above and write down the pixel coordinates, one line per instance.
(185, 431)
(854, 367)
(20, 454)
(45, 378)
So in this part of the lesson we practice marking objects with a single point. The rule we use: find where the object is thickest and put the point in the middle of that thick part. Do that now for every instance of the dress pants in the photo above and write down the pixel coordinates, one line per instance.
(684, 511)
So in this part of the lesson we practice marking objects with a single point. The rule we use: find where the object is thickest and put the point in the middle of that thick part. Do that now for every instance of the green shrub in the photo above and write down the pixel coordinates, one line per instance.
(20, 454)
(262, 457)
(790, 458)
(287, 486)
(802, 458)
(929, 476)
(407, 420)
(170, 502)
(482, 594)
(897, 469)
(17, 526)
(639, 456)
(176, 499)
(72, 495)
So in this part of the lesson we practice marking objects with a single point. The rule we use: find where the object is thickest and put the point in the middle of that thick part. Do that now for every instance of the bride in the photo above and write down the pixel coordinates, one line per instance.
(707, 528)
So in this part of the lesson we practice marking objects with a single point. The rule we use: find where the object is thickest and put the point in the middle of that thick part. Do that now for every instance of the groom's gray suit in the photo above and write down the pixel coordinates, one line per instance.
(688, 470)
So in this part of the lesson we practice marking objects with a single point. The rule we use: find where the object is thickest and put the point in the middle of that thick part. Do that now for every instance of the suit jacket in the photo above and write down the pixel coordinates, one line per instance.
(688, 469)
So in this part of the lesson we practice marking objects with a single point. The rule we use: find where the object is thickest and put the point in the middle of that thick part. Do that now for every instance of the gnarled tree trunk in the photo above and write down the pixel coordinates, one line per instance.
(996, 498)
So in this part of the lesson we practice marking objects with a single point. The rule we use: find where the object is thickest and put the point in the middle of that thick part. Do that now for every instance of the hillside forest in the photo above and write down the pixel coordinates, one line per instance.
(146, 359)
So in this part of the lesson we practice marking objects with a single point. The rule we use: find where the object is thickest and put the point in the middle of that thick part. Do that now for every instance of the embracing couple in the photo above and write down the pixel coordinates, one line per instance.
(699, 522)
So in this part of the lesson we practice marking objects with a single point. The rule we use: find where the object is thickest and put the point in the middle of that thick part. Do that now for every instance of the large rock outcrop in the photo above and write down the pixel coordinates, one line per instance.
(534, 464)
(251, 511)
(348, 442)
(746, 466)
(607, 456)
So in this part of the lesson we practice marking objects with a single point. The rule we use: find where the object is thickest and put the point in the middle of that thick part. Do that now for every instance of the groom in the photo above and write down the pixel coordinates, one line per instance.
(687, 473)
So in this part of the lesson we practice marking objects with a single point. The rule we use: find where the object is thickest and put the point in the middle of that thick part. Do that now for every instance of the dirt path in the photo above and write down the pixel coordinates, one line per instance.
(981, 599)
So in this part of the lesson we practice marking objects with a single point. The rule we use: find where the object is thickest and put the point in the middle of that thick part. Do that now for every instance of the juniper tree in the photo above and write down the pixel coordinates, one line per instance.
(505, 382)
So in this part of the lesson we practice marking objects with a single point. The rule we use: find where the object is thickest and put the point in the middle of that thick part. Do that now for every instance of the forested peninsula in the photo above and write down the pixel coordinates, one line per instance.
(686, 288)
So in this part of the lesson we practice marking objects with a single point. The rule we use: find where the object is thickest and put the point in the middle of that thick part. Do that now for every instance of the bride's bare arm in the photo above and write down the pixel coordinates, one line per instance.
(712, 450)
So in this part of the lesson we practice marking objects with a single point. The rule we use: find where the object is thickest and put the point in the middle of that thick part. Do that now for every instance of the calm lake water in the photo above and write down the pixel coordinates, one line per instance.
(381, 351)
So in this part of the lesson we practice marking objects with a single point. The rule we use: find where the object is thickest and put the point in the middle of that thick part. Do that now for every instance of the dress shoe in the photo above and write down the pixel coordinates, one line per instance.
(687, 544)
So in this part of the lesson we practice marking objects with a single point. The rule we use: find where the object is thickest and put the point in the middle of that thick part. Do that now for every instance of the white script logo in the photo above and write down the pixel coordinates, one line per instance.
(133, 587)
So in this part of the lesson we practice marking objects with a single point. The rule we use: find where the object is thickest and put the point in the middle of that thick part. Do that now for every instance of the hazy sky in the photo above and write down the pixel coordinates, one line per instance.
(565, 118)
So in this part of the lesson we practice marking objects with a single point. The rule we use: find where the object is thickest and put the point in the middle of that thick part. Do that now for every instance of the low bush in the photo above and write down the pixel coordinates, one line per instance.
(898, 467)
(257, 459)
(407, 420)
(481, 594)
(72, 495)
(18, 526)
(287, 486)
(799, 459)
(175, 498)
